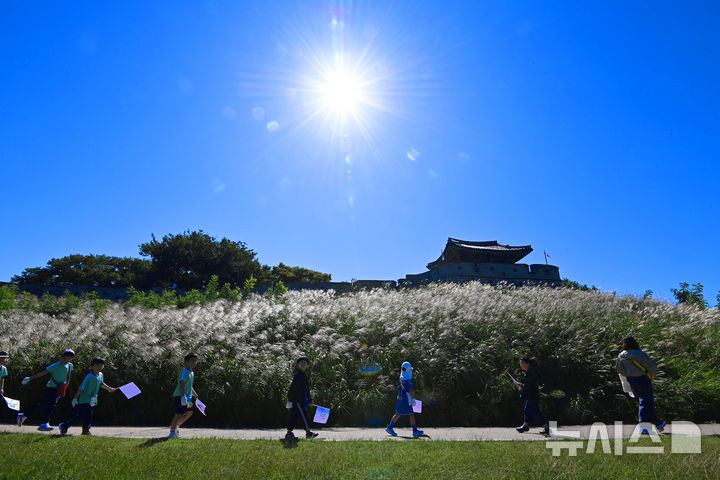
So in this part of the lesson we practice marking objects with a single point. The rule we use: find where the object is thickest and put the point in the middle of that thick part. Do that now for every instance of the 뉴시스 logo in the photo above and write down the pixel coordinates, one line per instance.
(685, 438)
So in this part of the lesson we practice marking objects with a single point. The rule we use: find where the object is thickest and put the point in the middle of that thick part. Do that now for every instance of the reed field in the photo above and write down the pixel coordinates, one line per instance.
(461, 339)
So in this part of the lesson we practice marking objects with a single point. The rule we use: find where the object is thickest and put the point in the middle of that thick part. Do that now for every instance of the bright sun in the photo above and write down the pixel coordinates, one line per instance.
(341, 92)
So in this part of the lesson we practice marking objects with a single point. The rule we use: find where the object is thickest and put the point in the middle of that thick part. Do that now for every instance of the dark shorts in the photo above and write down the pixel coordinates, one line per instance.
(179, 408)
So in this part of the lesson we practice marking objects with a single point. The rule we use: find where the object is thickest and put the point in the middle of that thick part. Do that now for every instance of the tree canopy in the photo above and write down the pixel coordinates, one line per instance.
(184, 261)
(93, 270)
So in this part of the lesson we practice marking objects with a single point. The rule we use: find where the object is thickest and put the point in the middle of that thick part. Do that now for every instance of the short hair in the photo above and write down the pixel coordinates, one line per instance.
(190, 356)
(97, 361)
(530, 361)
(300, 359)
(69, 353)
(629, 343)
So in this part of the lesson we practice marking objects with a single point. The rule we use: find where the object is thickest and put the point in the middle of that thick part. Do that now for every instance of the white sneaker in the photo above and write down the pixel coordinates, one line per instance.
(174, 435)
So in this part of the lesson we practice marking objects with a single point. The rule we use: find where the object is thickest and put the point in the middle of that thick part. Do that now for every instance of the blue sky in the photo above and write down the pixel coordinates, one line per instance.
(589, 130)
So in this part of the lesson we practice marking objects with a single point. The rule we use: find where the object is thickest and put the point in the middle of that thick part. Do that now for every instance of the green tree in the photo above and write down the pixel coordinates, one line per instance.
(567, 283)
(286, 274)
(90, 270)
(690, 294)
(187, 261)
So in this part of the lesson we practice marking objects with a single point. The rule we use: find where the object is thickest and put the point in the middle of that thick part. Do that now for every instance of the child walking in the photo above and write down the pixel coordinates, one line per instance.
(299, 400)
(530, 391)
(54, 390)
(3, 373)
(639, 370)
(85, 398)
(405, 401)
(184, 395)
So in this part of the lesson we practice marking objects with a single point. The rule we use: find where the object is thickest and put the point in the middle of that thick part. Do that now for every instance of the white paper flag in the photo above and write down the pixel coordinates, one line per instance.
(417, 408)
(321, 415)
(626, 385)
(200, 406)
(130, 390)
(12, 404)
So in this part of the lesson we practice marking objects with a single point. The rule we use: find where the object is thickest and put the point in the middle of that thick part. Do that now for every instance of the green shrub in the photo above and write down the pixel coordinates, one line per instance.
(7, 297)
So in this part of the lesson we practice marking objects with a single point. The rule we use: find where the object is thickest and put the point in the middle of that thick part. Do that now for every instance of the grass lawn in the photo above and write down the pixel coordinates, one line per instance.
(52, 457)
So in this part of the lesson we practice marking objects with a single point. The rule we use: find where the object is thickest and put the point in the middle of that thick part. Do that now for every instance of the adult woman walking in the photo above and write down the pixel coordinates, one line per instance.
(636, 366)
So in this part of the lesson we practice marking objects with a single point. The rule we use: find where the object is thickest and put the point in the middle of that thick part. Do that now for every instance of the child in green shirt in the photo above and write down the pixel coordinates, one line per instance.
(3, 373)
(54, 390)
(86, 397)
(184, 394)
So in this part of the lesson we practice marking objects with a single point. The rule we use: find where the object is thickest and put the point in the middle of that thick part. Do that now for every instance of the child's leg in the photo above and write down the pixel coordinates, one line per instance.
(183, 418)
(50, 401)
(412, 420)
(392, 421)
(75, 414)
(42, 405)
(294, 416)
(303, 416)
(178, 420)
(87, 415)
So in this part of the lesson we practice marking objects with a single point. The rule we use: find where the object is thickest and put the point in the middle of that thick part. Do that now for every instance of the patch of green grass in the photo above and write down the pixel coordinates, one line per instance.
(43, 456)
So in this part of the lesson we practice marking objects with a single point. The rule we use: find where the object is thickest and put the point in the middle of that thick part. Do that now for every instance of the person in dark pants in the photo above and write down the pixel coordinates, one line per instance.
(54, 390)
(85, 398)
(636, 366)
(3, 374)
(299, 400)
(530, 391)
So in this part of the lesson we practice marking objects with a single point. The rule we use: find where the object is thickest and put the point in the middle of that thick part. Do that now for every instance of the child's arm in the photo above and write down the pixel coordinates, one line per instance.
(195, 395)
(41, 373)
(74, 401)
(2, 386)
(108, 388)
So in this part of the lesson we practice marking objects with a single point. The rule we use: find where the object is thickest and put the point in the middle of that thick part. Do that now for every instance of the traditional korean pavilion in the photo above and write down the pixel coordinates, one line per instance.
(479, 252)
(488, 261)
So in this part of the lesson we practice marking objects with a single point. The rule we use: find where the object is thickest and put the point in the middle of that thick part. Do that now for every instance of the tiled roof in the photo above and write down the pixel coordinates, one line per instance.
(480, 252)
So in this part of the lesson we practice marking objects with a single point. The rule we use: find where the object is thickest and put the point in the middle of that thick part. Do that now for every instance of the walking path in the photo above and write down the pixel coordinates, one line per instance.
(445, 433)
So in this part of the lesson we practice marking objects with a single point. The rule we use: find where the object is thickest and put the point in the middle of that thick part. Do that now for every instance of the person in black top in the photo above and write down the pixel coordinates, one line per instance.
(530, 391)
(299, 400)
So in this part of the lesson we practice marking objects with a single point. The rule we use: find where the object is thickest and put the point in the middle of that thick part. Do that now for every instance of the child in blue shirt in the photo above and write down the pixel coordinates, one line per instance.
(184, 395)
(85, 398)
(299, 400)
(54, 390)
(405, 401)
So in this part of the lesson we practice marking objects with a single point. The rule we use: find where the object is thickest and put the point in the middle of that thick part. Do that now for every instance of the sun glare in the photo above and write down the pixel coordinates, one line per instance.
(341, 92)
